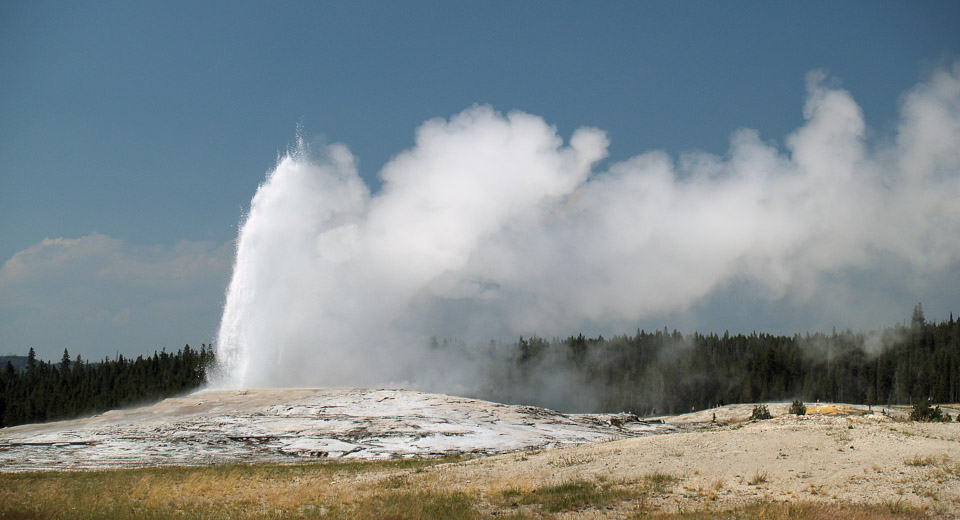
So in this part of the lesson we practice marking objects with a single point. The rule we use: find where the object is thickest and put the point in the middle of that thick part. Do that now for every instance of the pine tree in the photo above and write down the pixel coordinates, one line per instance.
(917, 320)
(65, 362)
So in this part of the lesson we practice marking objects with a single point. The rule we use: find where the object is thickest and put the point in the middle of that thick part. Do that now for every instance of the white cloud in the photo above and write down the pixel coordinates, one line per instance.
(97, 295)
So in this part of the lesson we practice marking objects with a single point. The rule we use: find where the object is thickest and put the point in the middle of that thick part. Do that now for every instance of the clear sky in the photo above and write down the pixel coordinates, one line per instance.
(133, 134)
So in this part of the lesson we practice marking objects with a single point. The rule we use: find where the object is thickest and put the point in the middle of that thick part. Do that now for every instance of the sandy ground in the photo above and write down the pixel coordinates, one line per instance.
(835, 454)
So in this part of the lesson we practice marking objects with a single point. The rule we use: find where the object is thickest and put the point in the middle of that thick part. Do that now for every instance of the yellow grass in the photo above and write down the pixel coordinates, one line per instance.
(401, 489)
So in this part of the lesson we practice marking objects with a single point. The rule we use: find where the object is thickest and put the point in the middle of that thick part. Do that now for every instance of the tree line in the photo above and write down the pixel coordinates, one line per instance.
(665, 372)
(649, 373)
(46, 391)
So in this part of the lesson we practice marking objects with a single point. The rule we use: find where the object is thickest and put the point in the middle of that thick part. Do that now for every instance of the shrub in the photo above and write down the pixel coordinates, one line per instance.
(923, 412)
(798, 408)
(760, 413)
(937, 415)
(920, 410)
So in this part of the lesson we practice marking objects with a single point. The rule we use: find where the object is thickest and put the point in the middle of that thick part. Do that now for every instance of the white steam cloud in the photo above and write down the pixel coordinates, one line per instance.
(491, 226)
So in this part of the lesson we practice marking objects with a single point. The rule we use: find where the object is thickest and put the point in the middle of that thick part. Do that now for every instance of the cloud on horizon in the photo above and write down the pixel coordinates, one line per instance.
(97, 296)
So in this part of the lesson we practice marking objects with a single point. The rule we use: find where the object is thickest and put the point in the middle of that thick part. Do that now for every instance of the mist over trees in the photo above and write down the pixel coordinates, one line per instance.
(664, 372)
(47, 391)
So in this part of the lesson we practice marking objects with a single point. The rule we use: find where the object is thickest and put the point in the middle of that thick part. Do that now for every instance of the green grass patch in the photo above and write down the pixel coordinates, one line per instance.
(415, 505)
(569, 496)
(577, 495)
(658, 483)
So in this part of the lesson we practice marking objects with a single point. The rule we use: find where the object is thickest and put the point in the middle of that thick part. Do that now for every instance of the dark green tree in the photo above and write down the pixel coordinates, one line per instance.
(65, 361)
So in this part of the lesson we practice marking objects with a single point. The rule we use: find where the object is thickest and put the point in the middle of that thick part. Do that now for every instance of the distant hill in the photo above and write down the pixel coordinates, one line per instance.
(19, 362)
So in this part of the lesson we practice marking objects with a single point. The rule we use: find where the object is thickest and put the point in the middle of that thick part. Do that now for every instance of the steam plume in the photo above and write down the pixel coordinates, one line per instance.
(491, 226)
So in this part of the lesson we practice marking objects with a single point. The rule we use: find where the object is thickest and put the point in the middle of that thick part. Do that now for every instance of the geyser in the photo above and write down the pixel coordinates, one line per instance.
(492, 226)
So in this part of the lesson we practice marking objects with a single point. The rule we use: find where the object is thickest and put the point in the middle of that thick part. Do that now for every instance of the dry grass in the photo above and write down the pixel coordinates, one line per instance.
(398, 489)
(793, 511)
(760, 477)
(571, 460)
(929, 460)
(343, 489)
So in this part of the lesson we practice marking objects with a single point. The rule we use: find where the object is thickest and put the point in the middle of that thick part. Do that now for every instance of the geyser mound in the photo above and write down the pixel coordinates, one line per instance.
(229, 426)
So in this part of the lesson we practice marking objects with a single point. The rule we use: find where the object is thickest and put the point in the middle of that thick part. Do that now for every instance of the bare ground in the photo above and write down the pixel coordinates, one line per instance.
(835, 454)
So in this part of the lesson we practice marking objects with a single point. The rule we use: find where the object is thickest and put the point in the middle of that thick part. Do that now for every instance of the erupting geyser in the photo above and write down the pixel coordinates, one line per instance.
(335, 287)
(491, 226)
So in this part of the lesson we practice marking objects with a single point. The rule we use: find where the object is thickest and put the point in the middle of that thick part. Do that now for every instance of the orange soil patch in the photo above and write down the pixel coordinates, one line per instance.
(833, 409)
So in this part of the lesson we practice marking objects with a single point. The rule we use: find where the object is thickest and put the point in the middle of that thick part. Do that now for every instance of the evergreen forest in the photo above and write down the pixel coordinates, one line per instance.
(44, 391)
(663, 372)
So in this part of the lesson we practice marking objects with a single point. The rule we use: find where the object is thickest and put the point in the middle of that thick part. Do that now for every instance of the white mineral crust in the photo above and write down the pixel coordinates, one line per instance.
(275, 425)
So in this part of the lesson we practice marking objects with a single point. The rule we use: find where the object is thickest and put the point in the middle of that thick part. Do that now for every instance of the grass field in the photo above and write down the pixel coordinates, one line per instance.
(394, 489)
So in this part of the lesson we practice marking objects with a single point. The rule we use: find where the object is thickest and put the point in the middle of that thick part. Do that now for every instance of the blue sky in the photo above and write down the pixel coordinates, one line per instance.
(149, 126)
